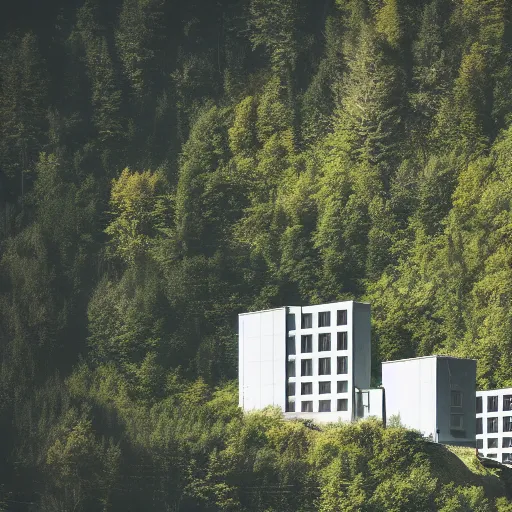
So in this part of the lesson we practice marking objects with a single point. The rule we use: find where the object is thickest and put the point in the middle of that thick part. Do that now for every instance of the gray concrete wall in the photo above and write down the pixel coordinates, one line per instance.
(458, 375)
(362, 351)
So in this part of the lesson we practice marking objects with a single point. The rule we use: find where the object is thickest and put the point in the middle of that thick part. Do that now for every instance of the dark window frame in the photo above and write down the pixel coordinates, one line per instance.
(306, 388)
(324, 366)
(456, 398)
(341, 317)
(306, 344)
(324, 319)
(493, 430)
(306, 321)
(342, 365)
(324, 340)
(340, 385)
(478, 405)
(322, 405)
(305, 405)
(306, 365)
(340, 402)
(342, 340)
(324, 387)
(492, 403)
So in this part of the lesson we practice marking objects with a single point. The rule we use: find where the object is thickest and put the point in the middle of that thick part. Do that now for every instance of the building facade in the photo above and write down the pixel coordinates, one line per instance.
(314, 361)
(494, 424)
(435, 395)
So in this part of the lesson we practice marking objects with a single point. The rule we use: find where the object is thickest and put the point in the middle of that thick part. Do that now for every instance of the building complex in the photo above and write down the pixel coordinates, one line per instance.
(494, 424)
(314, 362)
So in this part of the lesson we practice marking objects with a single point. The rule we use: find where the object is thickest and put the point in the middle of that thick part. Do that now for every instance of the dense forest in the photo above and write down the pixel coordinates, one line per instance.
(167, 164)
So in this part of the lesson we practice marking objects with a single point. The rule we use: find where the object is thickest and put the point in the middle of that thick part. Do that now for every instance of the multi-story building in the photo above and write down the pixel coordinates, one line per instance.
(435, 395)
(313, 361)
(494, 424)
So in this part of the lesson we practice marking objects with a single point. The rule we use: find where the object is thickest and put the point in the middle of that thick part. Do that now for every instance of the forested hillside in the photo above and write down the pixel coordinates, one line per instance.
(167, 164)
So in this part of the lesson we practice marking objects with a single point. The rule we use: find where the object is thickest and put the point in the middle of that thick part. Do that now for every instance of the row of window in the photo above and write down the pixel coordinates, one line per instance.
(323, 405)
(324, 366)
(324, 343)
(324, 319)
(506, 458)
(492, 425)
(306, 388)
(492, 442)
(492, 403)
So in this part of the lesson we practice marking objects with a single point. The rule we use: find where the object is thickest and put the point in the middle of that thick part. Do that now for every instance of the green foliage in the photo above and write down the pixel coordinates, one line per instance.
(140, 207)
(300, 152)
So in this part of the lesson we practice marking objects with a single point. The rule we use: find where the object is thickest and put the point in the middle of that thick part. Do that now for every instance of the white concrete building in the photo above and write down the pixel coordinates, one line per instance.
(494, 424)
(435, 395)
(311, 361)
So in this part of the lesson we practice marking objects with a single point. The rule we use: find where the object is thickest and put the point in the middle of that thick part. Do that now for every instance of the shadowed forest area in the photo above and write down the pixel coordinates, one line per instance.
(167, 164)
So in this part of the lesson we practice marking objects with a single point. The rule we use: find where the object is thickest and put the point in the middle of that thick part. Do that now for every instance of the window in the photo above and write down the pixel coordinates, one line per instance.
(507, 403)
(290, 368)
(456, 421)
(307, 320)
(507, 442)
(341, 317)
(306, 367)
(324, 387)
(478, 404)
(306, 388)
(324, 319)
(342, 340)
(290, 322)
(324, 342)
(492, 442)
(342, 365)
(343, 386)
(506, 458)
(492, 403)
(290, 345)
(479, 444)
(324, 366)
(479, 426)
(456, 399)
(290, 388)
(324, 406)
(306, 344)
(492, 455)
(306, 406)
(507, 424)
(492, 425)
(290, 406)
(342, 404)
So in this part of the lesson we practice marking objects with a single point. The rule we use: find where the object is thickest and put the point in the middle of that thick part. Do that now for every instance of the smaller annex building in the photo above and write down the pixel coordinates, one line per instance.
(494, 424)
(433, 394)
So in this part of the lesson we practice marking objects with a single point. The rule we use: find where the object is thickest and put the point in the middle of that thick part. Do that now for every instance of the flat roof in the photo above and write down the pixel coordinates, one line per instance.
(493, 390)
(306, 306)
(429, 357)
(262, 311)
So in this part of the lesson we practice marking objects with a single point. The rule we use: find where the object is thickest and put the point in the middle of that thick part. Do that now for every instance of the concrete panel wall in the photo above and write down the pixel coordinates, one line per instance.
(362, 351)
(314, 331)
(457, 375)
(262, 359)
(410, 390)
